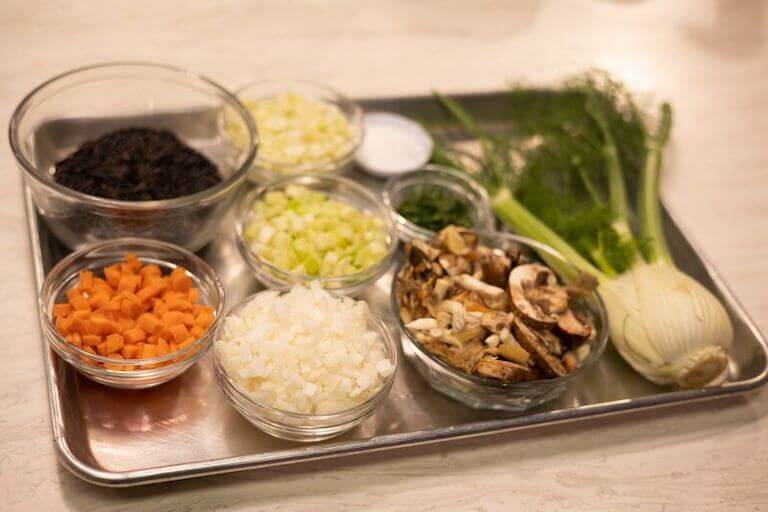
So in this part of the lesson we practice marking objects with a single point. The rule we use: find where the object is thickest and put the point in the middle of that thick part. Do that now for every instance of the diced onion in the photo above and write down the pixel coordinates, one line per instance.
(305, 351)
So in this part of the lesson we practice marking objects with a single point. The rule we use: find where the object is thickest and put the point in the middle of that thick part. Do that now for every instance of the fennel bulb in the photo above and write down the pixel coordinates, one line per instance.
(667, 326)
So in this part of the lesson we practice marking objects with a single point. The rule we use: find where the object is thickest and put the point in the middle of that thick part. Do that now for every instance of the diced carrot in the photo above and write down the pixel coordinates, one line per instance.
(130, 308)
(101, 348)
(179, 305)
(159, 307)
(130, 351)
(149, 322)
(126, 323)
(63, 325)
(148, 351)
(186, 342)
(88, 360)
(100, 301)
(169, 295)
(180, 281)
(80, 302)
(91, 340)
(132, 261)
(189, 320)
(193, 295)
(62, 309)
(148, 292)
(179, 332)
(80, 325)
(135, 335)
(201, 308)
(204, 320)
(112, 274)
(172, 318)
(197, 331)
(114, 343)
(128, 282)
(74, 292)
(173, 346)
(118, 357)
(165, 333)
(162, 347)
(102, 325)
(85, 281)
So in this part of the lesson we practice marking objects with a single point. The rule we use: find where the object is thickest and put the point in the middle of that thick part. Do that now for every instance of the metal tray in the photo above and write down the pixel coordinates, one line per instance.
(186, 429)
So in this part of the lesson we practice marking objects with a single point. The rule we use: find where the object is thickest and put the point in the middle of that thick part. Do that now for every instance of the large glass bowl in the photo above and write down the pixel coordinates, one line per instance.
(486, 393)
(95, 257)
(298, 426)
(458, 183)
(86, 103)
(265, 170)
(339, 189)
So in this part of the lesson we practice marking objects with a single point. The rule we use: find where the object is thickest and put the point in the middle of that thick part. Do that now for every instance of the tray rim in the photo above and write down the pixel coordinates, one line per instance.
(158, 474)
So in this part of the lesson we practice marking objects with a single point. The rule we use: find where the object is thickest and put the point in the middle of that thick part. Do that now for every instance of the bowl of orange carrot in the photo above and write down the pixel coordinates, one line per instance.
(131, 313)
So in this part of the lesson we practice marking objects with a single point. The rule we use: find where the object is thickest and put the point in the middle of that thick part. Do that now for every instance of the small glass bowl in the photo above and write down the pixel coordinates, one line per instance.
(486, 393)
(339, 189)
(95, 257)
(53, 120)
(265, 170)
(299, 426)
(457, 182)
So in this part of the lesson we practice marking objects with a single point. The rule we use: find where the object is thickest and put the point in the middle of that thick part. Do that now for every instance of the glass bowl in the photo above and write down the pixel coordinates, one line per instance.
(299, 426)
(457, 182)
(265, 170)
(95, 257)
(86, 103)
(486, 393)
(339, 189)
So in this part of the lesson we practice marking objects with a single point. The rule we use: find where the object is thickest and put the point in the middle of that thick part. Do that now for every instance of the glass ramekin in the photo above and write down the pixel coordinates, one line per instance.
(265, 170)
(95, 257)
(486, 393)
(457, 182)
(86, 103)
(339, 189)
(298, 426)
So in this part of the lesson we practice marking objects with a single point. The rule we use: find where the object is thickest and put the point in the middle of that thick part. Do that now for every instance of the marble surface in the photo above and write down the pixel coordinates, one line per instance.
(708, 57)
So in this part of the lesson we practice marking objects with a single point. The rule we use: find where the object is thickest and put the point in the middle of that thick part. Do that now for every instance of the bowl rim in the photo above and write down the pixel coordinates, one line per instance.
(470, 186)
(55, 277)
(597, 348)
(306, 180)
(373, 401)
(355, 121)
(221, 188)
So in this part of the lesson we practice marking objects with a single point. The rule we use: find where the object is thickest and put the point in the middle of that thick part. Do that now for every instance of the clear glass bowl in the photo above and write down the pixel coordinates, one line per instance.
(86, 103)
(265, 170)
(485, 393)
(298, 426)
(95, 257)
(339, 189)
(457, 182)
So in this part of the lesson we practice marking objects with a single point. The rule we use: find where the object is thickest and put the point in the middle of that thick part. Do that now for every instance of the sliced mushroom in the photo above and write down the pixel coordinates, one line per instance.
(453, 264)
(472, 301)
(502, 370)
(457, 240)
(573, 358)
(495, 267)
(552, 300)
(531, 343)
(551, 340)
(492, 341)
(422, 324)
(570, 324)
(493, 296)
(495, 321)
(522, 279)
(513, 351)
(442, 286)
(418, 250)
(452, 314)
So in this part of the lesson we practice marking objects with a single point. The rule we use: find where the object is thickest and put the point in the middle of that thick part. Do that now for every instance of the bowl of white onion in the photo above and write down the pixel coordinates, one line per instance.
(302, 363)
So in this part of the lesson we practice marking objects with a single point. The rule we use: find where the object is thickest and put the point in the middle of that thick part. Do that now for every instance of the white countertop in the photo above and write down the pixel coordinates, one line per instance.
(708, 57)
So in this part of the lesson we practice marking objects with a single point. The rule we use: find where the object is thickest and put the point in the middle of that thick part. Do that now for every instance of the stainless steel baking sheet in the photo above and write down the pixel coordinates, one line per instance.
(186, 429)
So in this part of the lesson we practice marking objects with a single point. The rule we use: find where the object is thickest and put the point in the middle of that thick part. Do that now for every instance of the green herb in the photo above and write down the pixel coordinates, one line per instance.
(434, 207)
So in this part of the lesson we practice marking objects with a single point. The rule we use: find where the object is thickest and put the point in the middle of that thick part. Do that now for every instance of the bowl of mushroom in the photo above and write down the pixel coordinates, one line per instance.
(485, 321)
